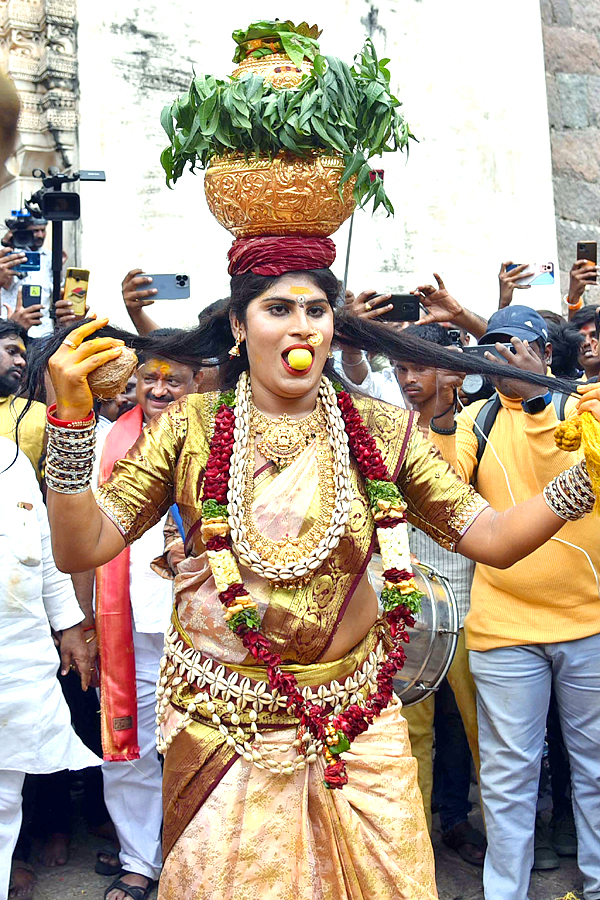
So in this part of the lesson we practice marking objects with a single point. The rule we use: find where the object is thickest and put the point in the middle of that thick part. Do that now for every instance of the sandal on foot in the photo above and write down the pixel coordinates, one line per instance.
(468, 842)
(106, 868)
(132, 890)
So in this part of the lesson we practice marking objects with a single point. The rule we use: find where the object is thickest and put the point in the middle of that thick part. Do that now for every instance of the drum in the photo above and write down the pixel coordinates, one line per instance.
(433, 640)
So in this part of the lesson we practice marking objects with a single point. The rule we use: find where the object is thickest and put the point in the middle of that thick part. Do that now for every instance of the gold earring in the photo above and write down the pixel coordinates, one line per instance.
(235, 350)
(330, 355)
(316, 338)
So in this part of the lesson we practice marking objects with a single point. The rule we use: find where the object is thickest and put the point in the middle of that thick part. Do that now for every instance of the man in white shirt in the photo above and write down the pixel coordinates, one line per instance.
(37, 736)
(43, 277)
(133, 790)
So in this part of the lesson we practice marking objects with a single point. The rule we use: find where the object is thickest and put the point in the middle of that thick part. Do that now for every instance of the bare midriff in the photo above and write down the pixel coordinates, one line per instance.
(359, 617)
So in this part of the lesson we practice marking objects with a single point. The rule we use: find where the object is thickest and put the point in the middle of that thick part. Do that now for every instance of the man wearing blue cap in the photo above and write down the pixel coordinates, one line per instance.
(533, 626)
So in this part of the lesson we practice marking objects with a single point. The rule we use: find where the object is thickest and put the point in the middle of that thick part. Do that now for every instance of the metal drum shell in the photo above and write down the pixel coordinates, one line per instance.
(433, 640)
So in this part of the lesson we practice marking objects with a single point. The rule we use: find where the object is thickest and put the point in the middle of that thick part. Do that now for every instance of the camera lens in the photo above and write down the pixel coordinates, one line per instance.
(472, 384)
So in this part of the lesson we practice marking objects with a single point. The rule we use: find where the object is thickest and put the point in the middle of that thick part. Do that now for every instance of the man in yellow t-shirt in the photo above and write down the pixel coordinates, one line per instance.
(32, 430)
(533, 626)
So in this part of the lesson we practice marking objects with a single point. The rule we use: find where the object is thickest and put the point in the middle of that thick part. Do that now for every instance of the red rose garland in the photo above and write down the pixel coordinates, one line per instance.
(400, 596)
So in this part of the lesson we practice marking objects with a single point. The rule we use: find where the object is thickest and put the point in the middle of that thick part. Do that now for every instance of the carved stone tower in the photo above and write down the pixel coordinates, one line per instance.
(38, 50)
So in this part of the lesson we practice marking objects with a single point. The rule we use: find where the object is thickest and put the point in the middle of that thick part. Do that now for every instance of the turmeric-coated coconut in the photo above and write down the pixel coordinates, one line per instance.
(111, 378)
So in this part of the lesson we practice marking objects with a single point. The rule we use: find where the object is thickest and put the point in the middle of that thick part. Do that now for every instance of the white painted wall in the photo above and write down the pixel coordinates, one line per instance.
(477, 188)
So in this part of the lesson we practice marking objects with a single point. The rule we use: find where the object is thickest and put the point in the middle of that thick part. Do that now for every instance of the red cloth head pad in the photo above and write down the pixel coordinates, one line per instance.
(276, 255)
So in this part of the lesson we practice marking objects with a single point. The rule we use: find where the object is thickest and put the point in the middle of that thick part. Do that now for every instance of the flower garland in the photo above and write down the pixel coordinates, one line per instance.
(400, 596)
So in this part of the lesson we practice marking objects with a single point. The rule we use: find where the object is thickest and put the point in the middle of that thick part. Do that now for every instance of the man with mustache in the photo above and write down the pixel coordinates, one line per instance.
(13, 360)
(132, 790)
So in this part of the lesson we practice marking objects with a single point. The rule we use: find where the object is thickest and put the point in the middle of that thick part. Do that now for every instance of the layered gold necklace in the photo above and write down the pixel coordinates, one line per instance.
(283, 439)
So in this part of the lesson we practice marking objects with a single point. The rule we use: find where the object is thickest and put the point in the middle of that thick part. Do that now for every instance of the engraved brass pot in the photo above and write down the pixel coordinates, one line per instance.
(276, 69)
(283, 196)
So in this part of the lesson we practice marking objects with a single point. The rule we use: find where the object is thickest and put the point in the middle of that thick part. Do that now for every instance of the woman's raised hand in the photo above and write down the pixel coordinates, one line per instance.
(70, 366)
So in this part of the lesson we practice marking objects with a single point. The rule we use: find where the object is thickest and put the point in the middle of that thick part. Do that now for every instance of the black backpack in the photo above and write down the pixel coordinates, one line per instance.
(486, 417)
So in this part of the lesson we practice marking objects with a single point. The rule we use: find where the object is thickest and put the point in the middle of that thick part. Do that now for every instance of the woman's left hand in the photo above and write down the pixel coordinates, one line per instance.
(590, 400)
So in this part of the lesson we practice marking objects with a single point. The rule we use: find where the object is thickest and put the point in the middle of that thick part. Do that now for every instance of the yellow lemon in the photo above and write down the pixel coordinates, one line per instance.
(299, 359)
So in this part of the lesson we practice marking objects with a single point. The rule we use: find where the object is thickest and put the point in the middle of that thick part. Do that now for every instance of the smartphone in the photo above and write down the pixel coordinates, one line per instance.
(31, 295)
(536, 274)
(480, 349)
(76, 289)
(170, 287)
(406, 309)
(454, 336)
(31, 264)
(588, 250)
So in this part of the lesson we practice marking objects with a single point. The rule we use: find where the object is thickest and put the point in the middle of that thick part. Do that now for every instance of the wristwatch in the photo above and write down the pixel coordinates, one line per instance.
(537, 404)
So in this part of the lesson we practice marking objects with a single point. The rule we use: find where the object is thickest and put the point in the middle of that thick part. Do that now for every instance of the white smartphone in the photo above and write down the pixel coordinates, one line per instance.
(536, 273)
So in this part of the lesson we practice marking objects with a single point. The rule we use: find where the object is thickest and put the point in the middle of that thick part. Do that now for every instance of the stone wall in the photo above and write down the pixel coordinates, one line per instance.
(571, 30)
(38, 49)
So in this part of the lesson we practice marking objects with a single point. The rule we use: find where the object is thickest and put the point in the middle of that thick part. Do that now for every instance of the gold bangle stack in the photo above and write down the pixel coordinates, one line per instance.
(570, 495)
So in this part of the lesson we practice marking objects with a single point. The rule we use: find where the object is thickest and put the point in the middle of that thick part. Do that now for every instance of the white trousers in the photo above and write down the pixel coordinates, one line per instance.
(513, 692)
(133, 789)
(11, 802)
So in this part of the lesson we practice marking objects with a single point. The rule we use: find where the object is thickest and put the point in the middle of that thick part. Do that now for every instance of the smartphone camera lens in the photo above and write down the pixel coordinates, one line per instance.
(181, 280)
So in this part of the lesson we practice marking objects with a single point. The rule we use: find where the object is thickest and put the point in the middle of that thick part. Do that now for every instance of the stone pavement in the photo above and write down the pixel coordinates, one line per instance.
(457, 880)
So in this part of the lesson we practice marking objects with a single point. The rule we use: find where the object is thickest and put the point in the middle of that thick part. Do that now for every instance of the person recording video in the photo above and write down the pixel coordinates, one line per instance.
(27, 233)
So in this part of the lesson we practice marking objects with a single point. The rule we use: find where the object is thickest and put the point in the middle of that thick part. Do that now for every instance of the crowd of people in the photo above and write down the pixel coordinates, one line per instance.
(526, 685)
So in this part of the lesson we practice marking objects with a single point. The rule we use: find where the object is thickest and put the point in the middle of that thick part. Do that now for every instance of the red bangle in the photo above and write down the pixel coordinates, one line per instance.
(60, 423)
(90, 628)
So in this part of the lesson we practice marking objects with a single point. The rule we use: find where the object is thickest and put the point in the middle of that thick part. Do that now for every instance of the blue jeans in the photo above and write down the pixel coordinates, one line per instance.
(513, 692)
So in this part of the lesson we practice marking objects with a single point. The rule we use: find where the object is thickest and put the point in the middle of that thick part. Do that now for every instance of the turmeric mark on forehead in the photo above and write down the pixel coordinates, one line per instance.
(161, 367)
(298, 290)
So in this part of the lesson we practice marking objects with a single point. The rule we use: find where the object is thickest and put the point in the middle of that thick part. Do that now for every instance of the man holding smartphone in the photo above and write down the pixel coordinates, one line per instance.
(9, 294)
(529, 628)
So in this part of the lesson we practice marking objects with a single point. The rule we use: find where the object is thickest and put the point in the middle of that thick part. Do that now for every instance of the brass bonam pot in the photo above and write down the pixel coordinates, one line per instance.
(283, 196)
(276, 69)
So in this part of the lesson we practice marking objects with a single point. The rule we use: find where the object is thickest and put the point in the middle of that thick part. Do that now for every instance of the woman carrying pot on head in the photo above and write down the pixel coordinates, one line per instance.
(276, 685)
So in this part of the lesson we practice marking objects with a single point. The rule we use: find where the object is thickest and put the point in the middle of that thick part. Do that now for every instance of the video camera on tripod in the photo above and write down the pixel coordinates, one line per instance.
(57, 207)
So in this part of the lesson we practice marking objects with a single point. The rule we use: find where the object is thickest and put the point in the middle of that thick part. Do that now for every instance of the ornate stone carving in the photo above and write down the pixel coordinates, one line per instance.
(38, 49)
(286, 195)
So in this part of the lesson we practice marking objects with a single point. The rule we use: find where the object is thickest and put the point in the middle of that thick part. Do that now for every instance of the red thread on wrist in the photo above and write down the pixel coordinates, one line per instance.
(90, 628)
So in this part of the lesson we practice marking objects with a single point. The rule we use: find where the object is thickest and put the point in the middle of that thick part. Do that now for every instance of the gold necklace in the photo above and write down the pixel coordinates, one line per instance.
(289, 551)
(283, 439)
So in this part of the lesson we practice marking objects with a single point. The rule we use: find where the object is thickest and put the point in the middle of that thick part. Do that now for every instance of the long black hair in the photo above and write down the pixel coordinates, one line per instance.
(208, 344)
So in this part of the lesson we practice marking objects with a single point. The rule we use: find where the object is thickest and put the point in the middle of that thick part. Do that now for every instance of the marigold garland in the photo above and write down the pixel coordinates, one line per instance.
(400, 596)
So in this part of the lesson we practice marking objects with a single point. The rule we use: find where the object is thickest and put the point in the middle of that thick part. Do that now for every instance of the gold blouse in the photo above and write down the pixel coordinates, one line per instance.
(166, 466)
(167, 462)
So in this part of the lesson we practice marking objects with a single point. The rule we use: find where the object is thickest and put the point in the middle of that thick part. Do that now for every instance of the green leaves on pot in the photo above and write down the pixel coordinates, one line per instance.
(338, 109)
(298, 41)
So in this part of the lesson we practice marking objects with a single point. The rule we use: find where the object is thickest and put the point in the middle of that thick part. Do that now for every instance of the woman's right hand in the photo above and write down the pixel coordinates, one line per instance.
(70, 366)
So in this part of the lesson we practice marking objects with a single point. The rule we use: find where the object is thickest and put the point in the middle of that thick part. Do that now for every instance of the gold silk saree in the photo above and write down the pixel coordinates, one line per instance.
(234, 830)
